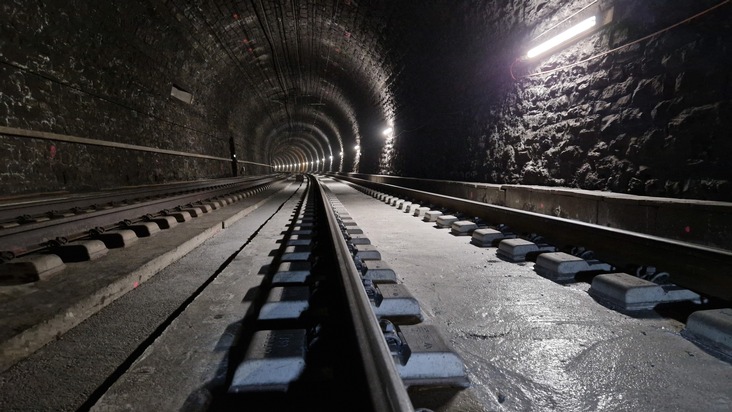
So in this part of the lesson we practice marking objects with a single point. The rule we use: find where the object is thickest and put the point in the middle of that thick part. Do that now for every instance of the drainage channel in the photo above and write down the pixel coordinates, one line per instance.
(329, 328)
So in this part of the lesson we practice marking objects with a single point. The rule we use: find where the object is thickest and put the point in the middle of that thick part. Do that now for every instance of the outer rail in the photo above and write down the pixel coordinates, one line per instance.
(703, 269)
(386, 388)
(17, 239)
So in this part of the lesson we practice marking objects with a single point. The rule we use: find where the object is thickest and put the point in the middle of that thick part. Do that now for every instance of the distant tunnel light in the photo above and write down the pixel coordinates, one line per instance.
(563, 37)
(387, 131)
(357, 147)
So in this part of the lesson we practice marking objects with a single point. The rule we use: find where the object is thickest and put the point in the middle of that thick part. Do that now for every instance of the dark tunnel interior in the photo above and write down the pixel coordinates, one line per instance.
(97, 95)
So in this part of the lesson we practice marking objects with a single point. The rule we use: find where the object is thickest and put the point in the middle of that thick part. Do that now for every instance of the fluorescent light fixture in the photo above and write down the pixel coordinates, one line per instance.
(563, 37)
(387, 131)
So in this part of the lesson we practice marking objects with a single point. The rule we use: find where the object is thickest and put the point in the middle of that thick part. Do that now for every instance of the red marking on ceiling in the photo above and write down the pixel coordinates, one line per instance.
(347, 34)
(687, 229)
(245, 41)
(53, 151)
(541, 205)
(135, 285)
(235, 16)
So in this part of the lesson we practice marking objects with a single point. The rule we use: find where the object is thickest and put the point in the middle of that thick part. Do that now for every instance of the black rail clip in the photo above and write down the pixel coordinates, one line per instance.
(398, 346)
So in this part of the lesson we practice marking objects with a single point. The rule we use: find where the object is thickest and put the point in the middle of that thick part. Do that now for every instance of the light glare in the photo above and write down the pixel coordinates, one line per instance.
(562, 37)
(387, 131)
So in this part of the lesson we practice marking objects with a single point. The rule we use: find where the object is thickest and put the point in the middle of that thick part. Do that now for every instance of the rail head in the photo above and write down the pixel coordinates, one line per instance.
(386, 387)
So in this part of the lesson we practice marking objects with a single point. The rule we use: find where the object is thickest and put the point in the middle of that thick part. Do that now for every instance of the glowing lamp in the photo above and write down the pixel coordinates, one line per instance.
(563, 37)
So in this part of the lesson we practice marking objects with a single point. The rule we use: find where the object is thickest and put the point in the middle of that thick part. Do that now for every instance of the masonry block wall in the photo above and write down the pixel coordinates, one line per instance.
(652, 119)
(104, 71)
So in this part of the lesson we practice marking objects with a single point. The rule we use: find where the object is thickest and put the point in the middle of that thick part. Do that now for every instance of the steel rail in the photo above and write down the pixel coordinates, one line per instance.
(703, 269)
(18, 239)
(386, 387)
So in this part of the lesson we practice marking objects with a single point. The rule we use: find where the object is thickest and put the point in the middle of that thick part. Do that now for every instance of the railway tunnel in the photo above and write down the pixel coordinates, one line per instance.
(614, 113)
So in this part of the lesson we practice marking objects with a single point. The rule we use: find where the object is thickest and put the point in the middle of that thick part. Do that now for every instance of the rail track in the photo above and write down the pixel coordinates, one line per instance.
(330, 329)
(702, 269)
(54, 226)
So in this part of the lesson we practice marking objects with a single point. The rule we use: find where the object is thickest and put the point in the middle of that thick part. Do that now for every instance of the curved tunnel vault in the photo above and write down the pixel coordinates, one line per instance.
(310, 72)
(631, 107)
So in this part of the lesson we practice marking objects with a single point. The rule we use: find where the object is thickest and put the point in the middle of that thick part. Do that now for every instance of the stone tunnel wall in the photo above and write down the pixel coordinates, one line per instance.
(651, 119)
(104, 71)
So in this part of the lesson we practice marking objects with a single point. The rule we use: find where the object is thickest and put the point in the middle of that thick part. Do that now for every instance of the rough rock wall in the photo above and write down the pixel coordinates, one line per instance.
(103, 70)
(654, 118)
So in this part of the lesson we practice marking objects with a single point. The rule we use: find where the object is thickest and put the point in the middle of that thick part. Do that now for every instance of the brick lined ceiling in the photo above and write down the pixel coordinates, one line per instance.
(311, 77)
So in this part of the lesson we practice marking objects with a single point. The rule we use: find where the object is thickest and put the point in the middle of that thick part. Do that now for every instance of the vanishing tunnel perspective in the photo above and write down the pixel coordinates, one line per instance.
(196, 194)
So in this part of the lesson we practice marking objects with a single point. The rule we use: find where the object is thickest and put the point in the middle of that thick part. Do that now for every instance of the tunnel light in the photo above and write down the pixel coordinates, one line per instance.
(357, 147)
(563, 37)
(323, 160)
(331, 158)
(387, 131)
(341, 154)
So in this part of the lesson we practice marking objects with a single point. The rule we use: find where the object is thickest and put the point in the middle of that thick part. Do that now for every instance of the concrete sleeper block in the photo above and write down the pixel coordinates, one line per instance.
(285, 303)
(379, 272)
(445, 221)
(626, 292)
(81, 250)
(398, 305)
(712, 328)
(515, 250)
(463, 228)
(145, 229)
(30, 268)
(563, 267)
(165, 222)
(118, 238)
(486, 236)
(420, 211)
(432, 215)
(274, 359)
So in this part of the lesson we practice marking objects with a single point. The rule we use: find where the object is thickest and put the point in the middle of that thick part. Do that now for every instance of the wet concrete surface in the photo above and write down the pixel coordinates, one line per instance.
(532, 344)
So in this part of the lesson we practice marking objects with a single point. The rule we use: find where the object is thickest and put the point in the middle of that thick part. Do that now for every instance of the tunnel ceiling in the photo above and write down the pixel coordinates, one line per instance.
(309, 78)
